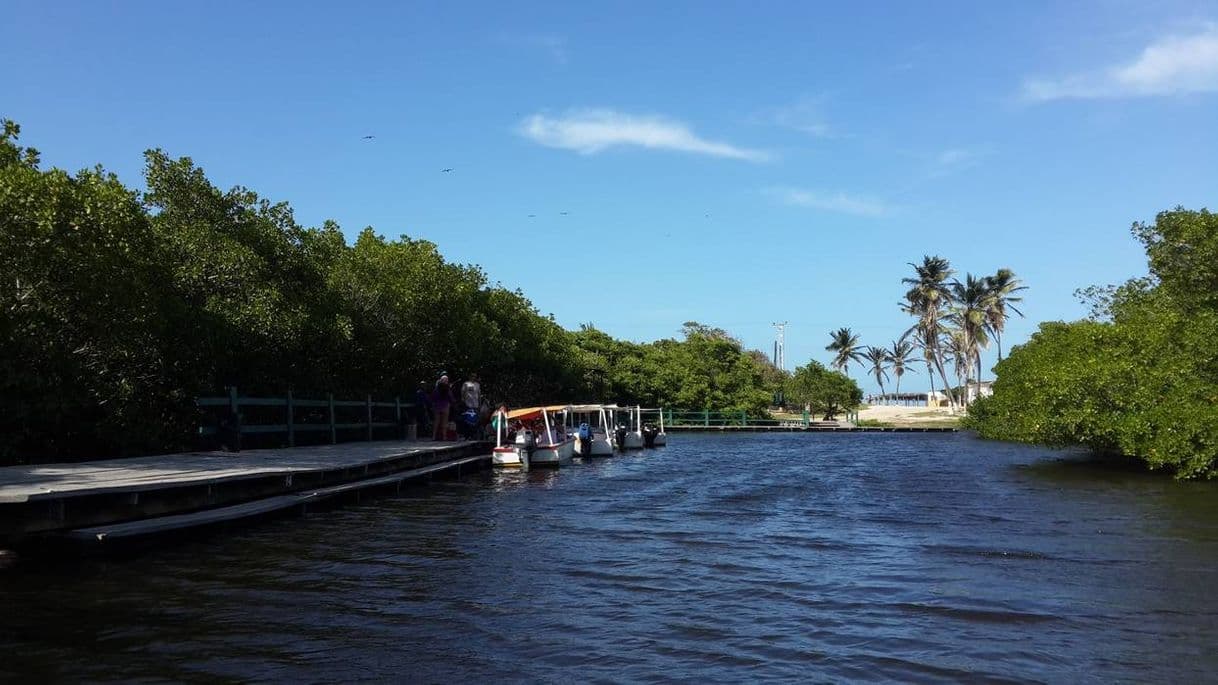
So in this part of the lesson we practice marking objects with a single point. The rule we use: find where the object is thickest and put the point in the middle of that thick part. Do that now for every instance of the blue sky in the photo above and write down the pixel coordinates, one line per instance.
(731, 163)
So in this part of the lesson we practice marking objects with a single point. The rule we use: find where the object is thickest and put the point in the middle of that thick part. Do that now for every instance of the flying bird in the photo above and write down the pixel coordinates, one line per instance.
(369, 137)
(532, 215)
(445, 171)
(564, 213)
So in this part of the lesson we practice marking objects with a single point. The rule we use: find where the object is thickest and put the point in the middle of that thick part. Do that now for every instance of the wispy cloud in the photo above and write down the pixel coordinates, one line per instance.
(830, 201)
(806, 116)
(956, 159)
(590, 131)
(1172, 65)
(553, 45)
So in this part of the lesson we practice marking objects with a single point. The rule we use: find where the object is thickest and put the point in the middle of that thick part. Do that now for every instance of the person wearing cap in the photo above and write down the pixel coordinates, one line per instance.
(441, 402)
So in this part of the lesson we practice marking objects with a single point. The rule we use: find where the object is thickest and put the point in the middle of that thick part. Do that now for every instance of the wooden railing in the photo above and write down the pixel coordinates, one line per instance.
(231, 425)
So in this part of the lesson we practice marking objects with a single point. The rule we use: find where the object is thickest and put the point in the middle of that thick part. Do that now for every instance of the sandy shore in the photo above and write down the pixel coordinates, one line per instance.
(908, 415)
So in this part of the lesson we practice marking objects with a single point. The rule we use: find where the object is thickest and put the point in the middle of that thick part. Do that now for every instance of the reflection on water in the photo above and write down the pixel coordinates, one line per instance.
(718, 558)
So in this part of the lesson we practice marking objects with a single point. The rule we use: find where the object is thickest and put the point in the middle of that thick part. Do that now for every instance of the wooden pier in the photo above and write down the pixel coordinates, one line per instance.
(123, 498)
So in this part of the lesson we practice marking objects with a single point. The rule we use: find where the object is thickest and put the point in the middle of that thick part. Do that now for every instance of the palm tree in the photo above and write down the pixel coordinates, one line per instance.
(927, 358)
(928, 299)
(957, 353)
(846, 348)
(900, 357)
(970, 314)
(878, 357)
(1002, 285)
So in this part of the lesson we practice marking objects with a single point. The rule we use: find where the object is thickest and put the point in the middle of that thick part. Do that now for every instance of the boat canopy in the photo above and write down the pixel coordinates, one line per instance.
(586, 407)
(534, 412)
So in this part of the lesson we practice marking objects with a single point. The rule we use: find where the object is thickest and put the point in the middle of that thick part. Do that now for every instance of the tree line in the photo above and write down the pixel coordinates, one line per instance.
(119, 307)
(954, 321)
(1138, 378)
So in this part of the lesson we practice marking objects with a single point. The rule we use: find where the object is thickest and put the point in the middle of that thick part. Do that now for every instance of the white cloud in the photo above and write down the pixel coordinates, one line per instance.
(842, 203)
(592, 130)
(1172, 65)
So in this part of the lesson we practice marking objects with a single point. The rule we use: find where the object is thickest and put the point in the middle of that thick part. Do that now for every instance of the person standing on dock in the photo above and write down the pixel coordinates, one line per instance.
(441, 402)
(422, 408)
(471, 393)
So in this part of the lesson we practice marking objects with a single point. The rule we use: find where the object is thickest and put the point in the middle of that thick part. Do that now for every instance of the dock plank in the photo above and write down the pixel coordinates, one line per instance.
(165, 524)
(42, 481)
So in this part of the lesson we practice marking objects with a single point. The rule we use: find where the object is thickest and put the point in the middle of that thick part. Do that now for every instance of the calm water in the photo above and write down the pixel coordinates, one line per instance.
(720, 558)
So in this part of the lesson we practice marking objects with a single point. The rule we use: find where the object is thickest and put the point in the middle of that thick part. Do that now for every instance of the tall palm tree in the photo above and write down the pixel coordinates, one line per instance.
(928, 299)
(1003, 286)
(957, 350)
(878, 357)
(901, 357)
(970, 315)
(920, 343)
(846, 347)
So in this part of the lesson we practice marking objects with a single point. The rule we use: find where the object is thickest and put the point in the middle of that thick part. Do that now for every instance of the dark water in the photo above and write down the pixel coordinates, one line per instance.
(720, 558)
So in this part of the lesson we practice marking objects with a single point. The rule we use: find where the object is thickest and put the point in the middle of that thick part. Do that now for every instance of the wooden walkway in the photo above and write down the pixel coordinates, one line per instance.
(203, 486)
(41, 481)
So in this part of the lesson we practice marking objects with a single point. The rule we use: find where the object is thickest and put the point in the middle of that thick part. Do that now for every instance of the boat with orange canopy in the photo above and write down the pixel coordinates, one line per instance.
(533, 436)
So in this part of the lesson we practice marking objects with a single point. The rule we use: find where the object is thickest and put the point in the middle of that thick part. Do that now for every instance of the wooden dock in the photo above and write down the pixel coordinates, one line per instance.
(127, 497)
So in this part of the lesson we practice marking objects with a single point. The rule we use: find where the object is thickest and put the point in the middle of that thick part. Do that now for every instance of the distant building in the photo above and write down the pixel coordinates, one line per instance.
(982, 389)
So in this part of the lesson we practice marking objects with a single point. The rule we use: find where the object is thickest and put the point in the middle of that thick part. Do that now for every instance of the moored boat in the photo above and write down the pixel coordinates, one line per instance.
(589, 423)
(538, 438)
(627, 433)
(653, 434)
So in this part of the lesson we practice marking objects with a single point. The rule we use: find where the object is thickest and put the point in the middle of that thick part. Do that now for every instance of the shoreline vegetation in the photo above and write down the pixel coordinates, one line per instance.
(1139, 376)
(119, 307)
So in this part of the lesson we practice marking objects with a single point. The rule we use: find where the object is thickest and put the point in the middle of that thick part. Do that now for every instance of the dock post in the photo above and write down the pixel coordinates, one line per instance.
(744, 418)
(291, 421)
(333, 432)
(368, 406)
(805, 419)
(397, 405)
(230, 436)
(706, 417)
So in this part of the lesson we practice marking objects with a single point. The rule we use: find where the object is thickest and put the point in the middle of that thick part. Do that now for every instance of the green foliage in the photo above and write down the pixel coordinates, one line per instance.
(1144, 381)
(708, 369)
(118, 309)
(825, 392)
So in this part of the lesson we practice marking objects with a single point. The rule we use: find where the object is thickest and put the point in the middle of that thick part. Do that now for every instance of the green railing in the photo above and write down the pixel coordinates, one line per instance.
(321, 416)
(710, 418)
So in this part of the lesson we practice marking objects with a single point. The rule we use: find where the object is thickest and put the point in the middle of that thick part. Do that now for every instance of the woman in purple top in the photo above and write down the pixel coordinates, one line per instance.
(441, 401)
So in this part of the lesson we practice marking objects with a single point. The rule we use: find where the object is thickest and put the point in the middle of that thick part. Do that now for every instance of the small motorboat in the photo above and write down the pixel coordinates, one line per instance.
(627, 433)
(588, 423)
(533, 436)
(653, 434)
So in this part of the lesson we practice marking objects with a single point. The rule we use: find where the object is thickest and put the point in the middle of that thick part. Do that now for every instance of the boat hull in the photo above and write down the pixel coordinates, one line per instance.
(661, 440)
(553, 455)
(633, 441)
(601, 447)
(507, 457)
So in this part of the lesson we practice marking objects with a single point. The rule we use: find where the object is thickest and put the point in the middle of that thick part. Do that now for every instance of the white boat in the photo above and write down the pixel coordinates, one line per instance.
(659, 438)
(627, 432)
(592, 420)
(539, 441)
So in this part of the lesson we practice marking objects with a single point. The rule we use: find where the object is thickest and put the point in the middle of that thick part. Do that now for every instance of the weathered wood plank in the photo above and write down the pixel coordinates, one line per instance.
(45, 481)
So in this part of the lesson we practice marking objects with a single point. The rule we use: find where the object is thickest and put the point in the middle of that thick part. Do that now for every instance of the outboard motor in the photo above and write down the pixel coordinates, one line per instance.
(649, 435)
(620, 435)
(526, 442)
(585, 439)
